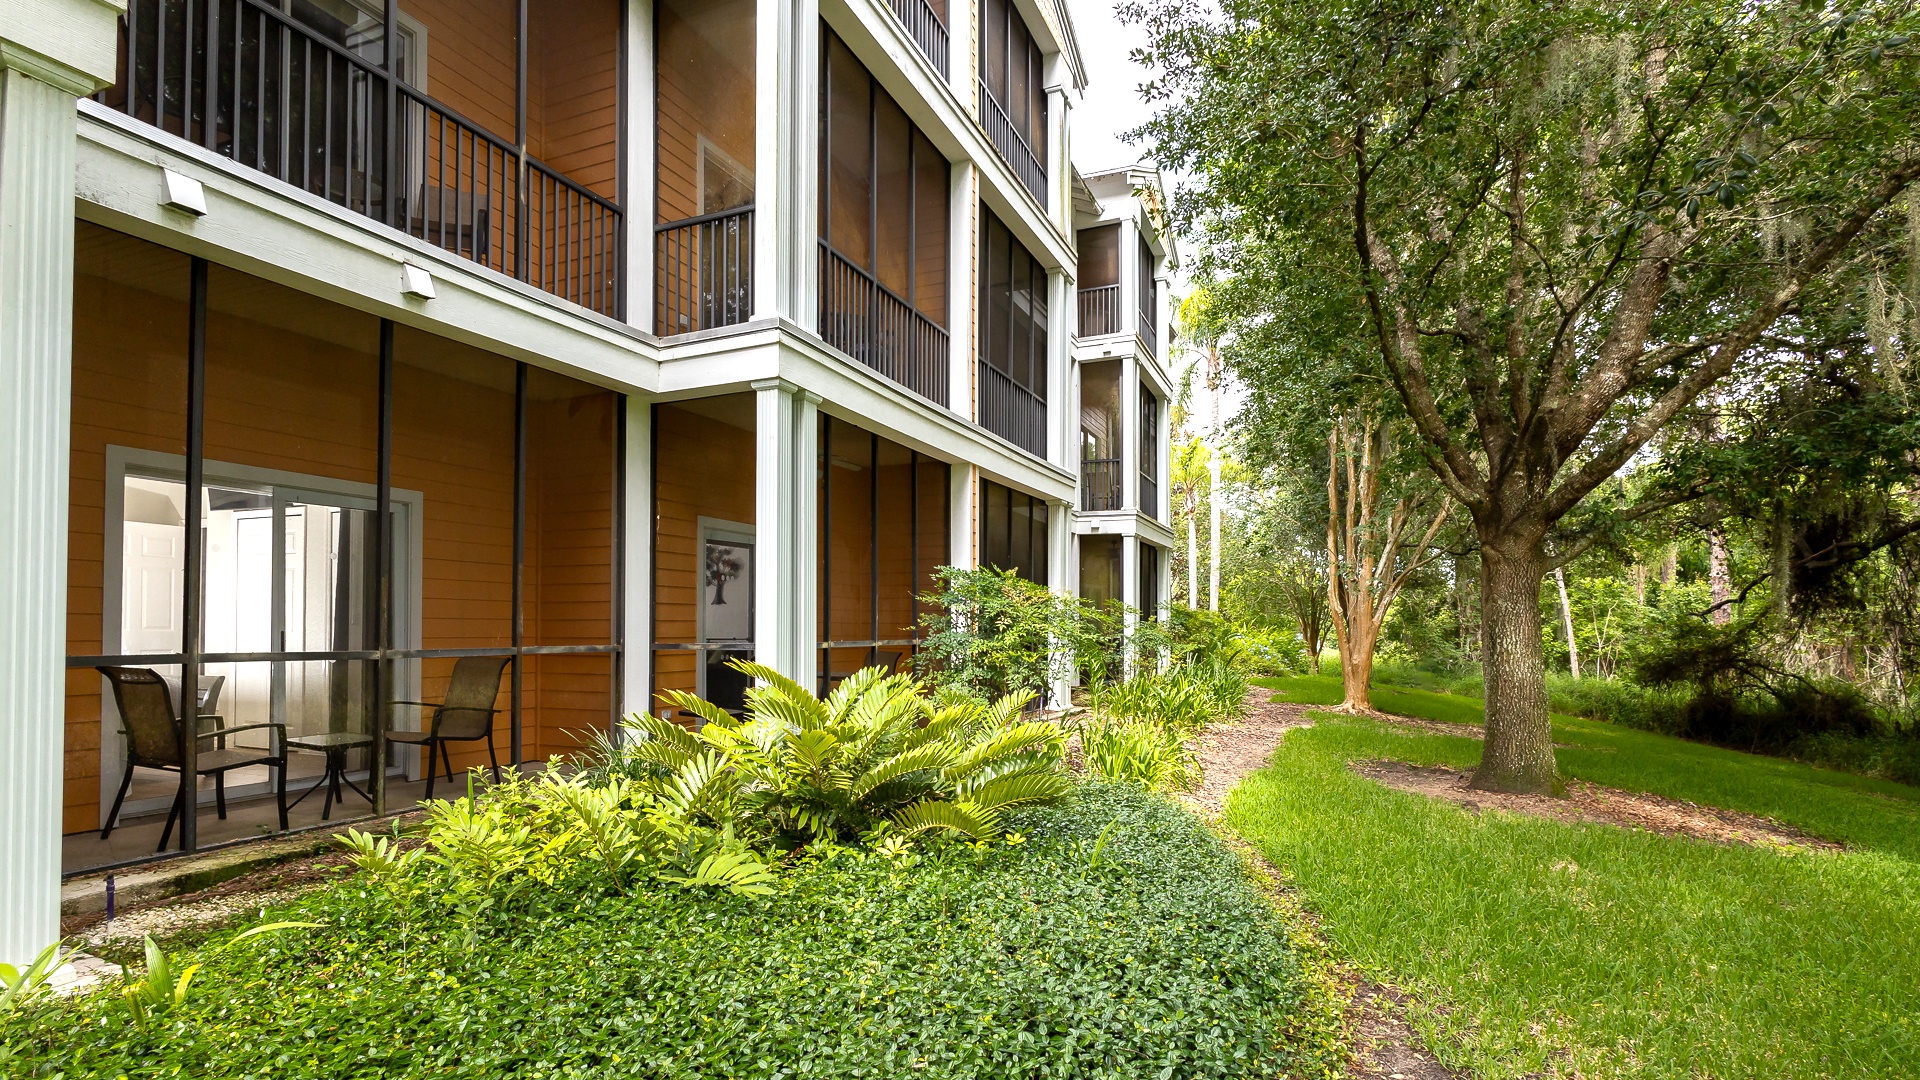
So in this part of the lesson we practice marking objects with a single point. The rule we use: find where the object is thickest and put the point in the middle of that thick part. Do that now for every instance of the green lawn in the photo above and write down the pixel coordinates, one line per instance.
(1536, 946)
(1854, 810)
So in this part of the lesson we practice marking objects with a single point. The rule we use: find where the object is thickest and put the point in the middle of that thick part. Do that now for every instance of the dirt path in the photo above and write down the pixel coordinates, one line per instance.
(1384, 1044)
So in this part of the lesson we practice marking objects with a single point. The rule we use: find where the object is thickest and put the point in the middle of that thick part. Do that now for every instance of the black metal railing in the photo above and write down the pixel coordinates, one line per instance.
(1012, 145)
(470, 191)
(871, 323)
(1100, 484)
(926, 28)
(1146, 331)
(1149, 495)
(1012, 411)
(703, 270)
(1099, 311)
(248, 82)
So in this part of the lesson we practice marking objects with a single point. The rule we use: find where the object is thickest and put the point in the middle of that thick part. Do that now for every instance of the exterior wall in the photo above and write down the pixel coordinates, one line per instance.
(704, 467)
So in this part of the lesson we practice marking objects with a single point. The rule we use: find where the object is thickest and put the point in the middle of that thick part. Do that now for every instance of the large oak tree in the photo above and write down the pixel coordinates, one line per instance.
(1562, 224)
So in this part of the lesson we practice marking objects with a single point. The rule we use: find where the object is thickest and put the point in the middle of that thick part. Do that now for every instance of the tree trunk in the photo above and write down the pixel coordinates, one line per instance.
(1518, 755)
(1213, 518)
(1566, 620)
(1719, 584)
(1356, 667)
(1193, 555)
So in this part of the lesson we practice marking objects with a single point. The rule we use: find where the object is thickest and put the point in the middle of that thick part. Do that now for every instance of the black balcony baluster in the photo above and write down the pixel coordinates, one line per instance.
(1012, 145)
(926, 29)
(703, 272)
(874, 325)
(1100, 484)
(307, 111)
(1099, 311)
(1012, 411)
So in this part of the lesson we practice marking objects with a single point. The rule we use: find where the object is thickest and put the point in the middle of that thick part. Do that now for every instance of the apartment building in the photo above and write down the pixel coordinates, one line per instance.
(550, 353)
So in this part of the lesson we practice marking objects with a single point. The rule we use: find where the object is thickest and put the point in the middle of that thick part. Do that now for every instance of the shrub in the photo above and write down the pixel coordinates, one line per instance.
(1154, 958)
(1138, 752)
(991, 633)
(1271, 652)
(1183, 697)
(876, 756)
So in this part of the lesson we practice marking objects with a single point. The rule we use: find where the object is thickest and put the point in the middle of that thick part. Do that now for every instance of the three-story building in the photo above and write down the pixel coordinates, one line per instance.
(356, 354)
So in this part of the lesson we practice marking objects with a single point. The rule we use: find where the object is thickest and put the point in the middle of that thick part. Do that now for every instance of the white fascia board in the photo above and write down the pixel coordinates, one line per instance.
(1154, 373)
(275, 231)
(1122, 523)
(877, 38)
(731, 362)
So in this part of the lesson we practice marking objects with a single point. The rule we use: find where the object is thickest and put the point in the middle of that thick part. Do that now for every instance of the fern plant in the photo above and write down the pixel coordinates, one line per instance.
(877, 757)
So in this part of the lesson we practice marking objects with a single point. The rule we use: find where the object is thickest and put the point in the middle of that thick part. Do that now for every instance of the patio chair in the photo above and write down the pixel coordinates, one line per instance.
(157, 740)
(465, 716)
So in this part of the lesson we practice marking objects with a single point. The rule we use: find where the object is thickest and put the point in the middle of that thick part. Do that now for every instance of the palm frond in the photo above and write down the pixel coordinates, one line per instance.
(959, 817)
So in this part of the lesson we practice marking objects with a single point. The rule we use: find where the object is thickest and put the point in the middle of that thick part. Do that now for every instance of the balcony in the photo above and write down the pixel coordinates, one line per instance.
(1012, 411)
(1100, 484)
(255, 85)
(1099, 311)
(874, 325)
(1012, 146)
(703, 267)
(927, 28)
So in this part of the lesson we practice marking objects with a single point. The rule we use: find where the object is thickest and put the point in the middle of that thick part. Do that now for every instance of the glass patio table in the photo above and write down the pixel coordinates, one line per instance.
(335, 745)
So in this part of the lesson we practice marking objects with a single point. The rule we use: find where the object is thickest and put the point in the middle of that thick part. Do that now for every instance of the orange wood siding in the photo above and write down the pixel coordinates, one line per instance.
(129, 389)
(705, 468)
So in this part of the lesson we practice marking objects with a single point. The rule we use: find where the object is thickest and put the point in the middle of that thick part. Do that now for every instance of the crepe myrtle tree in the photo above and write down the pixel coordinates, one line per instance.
(1563, 224)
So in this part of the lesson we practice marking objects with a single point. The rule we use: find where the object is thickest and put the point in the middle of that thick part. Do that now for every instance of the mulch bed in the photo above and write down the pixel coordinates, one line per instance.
(1585, 802)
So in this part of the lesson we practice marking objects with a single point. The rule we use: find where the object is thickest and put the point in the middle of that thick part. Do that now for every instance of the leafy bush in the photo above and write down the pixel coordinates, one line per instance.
(1617, 700)
(1139, 752)
(991, 633)
(1145, 954)
(1183, 698)
(1274, 652)
(877, 761)
(877, 756)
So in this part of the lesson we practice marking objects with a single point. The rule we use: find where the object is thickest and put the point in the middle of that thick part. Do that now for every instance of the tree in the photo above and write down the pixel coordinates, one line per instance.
(1565, 223)
(1369, 554)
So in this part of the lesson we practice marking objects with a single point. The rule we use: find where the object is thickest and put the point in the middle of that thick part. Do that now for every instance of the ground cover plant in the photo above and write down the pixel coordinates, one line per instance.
(1854, 810)
(1111, 935)
(1664, 956)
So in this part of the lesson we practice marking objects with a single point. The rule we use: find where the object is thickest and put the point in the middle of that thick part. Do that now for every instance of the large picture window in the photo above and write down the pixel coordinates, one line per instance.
(884, 227)
(1013, 338)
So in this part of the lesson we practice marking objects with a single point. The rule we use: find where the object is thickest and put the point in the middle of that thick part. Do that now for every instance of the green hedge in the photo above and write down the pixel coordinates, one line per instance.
(1147, 955)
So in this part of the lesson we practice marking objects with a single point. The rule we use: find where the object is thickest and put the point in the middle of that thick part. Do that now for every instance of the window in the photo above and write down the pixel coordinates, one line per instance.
(1014, 105)
(1149, 453)
(1013, 531)
(1100, 570)
(884, 227)
(1147, 287)
(704, 164)
(1013, 338)
(1100, 436)
(1149, 580)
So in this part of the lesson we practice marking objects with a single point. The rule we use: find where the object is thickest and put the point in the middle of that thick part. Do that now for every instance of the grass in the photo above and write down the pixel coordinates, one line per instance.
(1117, 938)
(1855, 810)
(1538, 947)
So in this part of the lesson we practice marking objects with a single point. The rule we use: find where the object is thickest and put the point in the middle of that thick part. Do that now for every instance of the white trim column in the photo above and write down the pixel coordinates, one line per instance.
(786, 528)
(1061, 579)
(1059, 367)
(962, 321)
(1129, 591)
(636, 602)
(786, 177)
(51, 53)
(963, 535)
(1130, 428)
(641, 205)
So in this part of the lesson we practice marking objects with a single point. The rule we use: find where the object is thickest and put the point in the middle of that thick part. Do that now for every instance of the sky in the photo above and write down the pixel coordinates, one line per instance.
(1112, 103)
